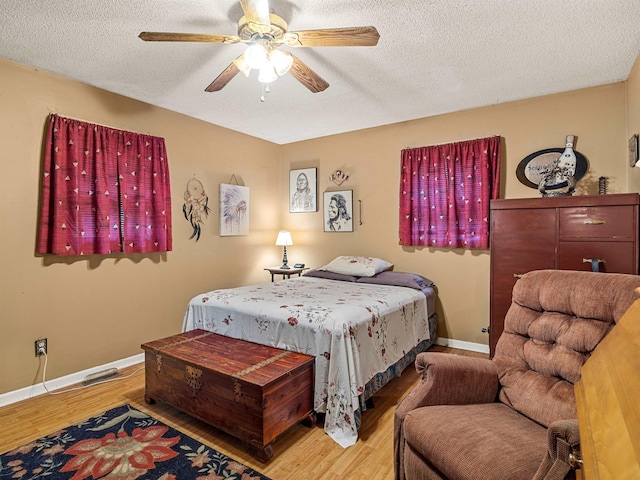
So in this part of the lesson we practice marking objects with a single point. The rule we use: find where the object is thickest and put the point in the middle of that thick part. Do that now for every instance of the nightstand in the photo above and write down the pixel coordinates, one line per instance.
(285, 272)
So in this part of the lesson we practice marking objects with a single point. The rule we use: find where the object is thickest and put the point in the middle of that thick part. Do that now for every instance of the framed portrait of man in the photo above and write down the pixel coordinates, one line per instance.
(303, 192)
(338, 211)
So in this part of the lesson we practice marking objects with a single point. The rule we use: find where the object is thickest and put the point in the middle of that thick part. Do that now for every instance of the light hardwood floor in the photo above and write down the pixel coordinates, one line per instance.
(300, 453)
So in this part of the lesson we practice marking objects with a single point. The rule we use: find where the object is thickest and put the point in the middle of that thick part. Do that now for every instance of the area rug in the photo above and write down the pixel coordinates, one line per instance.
(121, 444)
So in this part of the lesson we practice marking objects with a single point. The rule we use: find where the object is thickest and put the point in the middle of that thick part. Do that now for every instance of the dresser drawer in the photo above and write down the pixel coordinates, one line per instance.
(597, 222)
(618, 257)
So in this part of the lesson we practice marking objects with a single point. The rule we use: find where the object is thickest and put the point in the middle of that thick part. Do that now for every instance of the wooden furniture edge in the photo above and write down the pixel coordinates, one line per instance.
(607, 397)
(568, 201)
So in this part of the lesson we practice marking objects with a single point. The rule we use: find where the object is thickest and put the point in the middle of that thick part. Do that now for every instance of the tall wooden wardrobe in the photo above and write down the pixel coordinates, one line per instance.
(589, 232)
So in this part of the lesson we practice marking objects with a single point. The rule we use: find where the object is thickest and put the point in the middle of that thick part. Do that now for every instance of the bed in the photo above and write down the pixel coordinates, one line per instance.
(362, 330)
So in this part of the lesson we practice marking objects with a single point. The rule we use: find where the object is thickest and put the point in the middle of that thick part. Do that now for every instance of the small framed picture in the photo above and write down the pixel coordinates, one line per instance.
(338, 211)
(303, 194)
(633, 151)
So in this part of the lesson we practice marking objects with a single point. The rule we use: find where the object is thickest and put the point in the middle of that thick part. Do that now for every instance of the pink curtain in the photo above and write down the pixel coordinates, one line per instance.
(445, 192)
(104, 191)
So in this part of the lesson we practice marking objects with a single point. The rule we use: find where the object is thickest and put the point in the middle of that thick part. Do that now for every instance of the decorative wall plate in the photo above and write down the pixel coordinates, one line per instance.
(528, 171)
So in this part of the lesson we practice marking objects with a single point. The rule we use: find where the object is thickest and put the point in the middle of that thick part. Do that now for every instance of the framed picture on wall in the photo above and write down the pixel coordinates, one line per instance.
(234, 210)
(303, 192)
(633, 151)
(338, 211)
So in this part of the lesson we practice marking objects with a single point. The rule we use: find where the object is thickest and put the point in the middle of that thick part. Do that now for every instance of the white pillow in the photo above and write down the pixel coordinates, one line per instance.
(357, 266)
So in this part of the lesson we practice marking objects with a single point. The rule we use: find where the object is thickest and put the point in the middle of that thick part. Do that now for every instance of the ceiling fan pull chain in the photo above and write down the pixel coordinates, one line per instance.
(265, 89)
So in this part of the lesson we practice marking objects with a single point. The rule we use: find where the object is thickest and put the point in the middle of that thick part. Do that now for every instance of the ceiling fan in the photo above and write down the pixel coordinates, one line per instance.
(264, 32)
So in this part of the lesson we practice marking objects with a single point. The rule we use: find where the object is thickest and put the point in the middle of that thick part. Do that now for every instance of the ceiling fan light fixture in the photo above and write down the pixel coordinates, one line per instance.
(256, 56)
(267, 73)
(281, 61)
(263, 32)
(242, 65)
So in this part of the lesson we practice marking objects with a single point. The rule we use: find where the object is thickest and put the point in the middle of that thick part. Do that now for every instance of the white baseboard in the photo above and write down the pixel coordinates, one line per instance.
(74, 378)
(62, 382)
(473, 347)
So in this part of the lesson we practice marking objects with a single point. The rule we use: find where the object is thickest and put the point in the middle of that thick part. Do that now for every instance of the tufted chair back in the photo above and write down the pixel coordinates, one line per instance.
(556, 320)
(512, 417)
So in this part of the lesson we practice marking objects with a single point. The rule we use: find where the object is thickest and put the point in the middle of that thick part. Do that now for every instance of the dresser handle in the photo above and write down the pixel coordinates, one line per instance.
(518, 275)
(594, 222)
(595, 263)
(590, 260)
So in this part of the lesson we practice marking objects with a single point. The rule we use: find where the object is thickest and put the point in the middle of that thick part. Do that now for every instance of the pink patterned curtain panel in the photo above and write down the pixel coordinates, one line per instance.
(104, 191)
(445, 192)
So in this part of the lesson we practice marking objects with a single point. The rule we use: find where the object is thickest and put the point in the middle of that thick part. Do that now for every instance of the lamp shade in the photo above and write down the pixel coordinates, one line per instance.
(243, 65)
(284, 238)
(267, 73)
(255, 55)
(281, 61)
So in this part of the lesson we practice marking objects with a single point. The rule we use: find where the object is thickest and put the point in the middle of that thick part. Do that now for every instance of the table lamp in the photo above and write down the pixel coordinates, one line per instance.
(284, 239)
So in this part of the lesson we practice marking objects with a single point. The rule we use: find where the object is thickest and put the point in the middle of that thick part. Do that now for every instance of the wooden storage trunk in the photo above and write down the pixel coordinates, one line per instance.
(250, 391)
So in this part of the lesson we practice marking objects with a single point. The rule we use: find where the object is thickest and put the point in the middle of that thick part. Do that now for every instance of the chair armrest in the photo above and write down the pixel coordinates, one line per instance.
(563, 439)
(447, 379)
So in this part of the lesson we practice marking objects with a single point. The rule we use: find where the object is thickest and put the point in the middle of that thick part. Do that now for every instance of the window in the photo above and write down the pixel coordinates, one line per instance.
(445, 192)
(104, 191)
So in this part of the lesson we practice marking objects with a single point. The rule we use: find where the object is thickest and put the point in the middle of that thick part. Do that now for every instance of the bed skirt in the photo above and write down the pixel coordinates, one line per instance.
(395, 370)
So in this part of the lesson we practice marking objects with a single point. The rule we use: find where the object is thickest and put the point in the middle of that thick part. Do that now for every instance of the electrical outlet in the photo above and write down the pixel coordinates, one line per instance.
(41, 347)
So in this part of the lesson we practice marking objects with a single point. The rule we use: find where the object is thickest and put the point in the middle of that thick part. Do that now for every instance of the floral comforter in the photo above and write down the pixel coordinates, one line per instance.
(354, 330)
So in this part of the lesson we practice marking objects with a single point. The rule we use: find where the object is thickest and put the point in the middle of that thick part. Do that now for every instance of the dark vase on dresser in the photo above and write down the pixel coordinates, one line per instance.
(589, 232)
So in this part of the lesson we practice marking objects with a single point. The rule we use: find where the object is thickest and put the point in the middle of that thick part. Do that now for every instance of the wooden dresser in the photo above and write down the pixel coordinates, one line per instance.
(589, 232)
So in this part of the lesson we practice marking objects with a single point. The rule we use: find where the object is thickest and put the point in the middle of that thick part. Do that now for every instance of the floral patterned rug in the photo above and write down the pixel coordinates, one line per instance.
(121, 444)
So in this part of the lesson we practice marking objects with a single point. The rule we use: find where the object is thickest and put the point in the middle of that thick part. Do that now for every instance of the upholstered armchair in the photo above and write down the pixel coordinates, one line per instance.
(513, 416)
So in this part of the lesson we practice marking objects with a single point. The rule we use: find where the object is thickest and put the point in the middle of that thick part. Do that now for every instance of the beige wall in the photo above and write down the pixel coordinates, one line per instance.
(100, 309)
(633, 119)
(372, 158)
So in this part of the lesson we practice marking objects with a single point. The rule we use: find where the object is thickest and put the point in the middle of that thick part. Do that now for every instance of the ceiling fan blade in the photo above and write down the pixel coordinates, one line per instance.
(187, 37)
(256, 11)
(334, 37)
(225, 77)
(307, 77)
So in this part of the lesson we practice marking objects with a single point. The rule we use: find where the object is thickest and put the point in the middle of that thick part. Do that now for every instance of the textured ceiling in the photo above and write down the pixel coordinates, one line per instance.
(433, 57)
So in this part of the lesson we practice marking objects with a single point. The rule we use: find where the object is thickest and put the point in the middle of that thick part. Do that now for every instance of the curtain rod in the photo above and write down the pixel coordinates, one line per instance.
(456, 141)
(100, 124)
